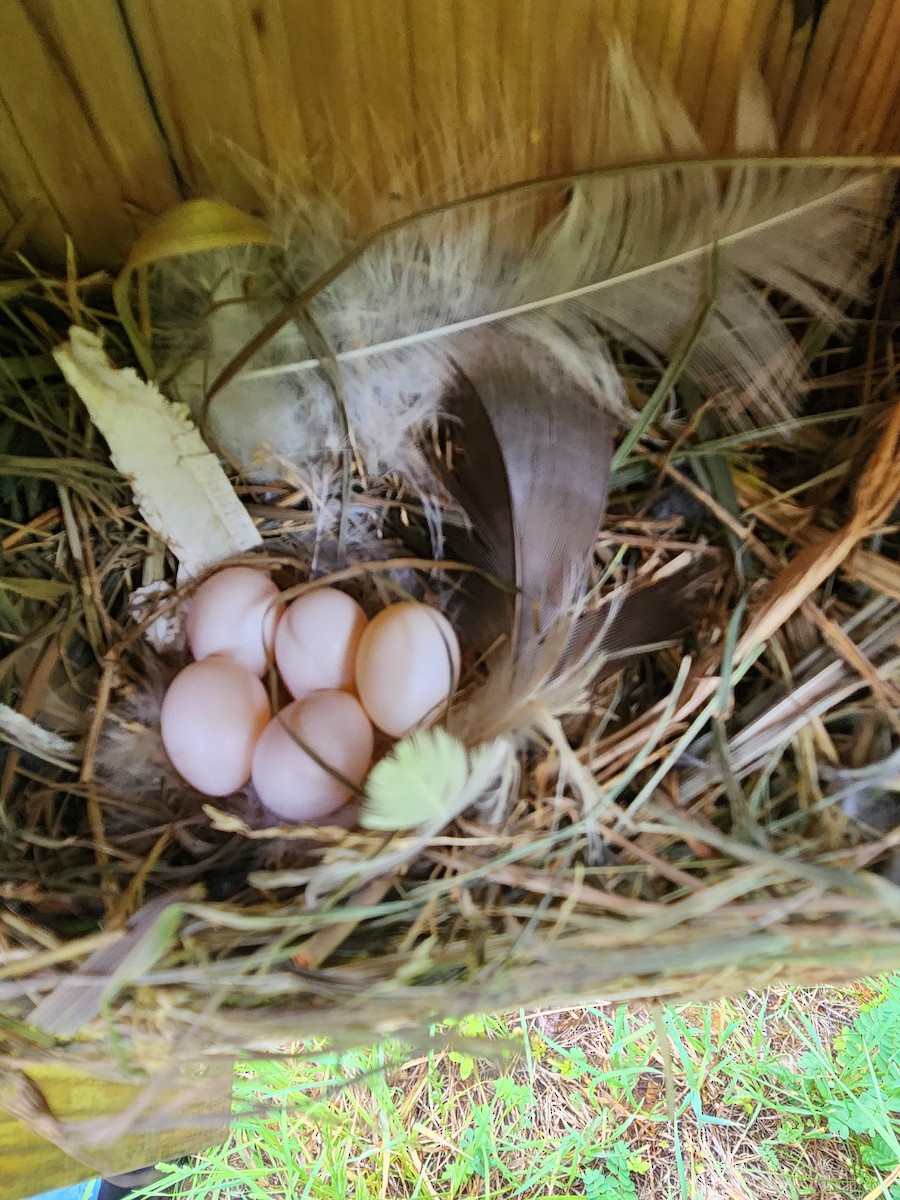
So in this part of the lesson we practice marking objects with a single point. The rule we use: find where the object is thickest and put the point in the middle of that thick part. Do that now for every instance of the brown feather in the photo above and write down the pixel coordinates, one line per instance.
(531, 461)
(619, 631)
(528, 462)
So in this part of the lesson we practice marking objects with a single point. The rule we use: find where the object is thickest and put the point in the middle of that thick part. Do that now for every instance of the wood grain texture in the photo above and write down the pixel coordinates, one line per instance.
(40, 1147)
(106, 107)
(826, 75)
(859, 107)
(25, 198)
(82, 138)
(738, 43)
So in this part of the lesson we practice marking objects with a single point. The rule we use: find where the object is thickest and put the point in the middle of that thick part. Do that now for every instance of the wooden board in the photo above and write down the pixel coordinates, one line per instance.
(109, 109)
(80, 144)
(40, 1152)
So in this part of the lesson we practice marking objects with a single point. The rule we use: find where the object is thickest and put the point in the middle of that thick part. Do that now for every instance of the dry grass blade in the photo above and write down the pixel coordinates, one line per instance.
(876, 496)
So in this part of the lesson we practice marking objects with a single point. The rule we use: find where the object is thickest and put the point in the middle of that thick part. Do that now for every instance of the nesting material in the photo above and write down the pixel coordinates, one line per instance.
(650, 479)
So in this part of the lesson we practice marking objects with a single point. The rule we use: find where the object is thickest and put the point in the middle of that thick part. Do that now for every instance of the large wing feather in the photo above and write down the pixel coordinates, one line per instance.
(635, 253)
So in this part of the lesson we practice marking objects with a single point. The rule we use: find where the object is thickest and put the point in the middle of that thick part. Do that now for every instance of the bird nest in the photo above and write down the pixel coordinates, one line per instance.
(716, 813)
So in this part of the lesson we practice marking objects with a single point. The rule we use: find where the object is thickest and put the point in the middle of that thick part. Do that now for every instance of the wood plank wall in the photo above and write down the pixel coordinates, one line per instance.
(112, 109)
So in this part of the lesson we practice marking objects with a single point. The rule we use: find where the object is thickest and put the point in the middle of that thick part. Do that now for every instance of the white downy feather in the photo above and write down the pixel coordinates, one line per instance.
(410, 779)
(636, 255)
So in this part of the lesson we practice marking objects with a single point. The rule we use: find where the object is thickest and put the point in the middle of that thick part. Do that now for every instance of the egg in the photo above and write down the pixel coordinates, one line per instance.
(211, 718)
(288, 781)
(317, 640)
(407, 665)
(229, 614)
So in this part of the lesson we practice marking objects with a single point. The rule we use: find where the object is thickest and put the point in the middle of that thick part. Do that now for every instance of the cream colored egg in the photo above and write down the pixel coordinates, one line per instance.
(212, 715)
(229, 614)
(288, 781)
(317, 640)
(407, 666)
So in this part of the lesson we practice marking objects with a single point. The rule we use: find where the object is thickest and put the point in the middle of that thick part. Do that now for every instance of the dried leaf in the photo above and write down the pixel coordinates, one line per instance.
(183, 493)
(875, 571)
(796, 583)
(878, 492)
(35, 589)
(196, 225)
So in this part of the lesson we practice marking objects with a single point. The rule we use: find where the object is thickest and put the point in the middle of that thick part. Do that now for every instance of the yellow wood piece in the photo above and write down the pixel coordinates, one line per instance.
(48, 1114)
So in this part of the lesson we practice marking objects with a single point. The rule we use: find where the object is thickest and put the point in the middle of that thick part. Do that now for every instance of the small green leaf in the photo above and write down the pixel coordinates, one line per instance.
(429, 776)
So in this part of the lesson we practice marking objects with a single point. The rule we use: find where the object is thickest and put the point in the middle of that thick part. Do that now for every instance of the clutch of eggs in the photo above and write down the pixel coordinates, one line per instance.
(345, 673)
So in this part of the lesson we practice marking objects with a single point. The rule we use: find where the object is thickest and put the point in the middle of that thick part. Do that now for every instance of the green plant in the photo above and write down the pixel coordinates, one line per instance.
(792, 1094)
(859, 1083)
(847, 1090)
(614, 1179)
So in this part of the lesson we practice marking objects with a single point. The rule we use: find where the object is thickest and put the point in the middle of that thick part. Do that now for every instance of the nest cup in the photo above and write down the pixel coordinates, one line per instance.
(719, 815)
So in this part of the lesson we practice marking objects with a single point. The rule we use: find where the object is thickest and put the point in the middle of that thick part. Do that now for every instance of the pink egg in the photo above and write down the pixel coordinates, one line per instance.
(211, 718)
(229, 614)
(288, 781)
(316, 642)
(406, 666)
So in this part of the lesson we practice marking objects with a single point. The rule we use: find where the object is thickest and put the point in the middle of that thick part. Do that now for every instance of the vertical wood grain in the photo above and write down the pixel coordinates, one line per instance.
(373, 98)
(264, 36)
(80, 124)
(575, 130)
(193, 54)
(869, 75)
(659, 31)
(24, 194)
(672, 51)
(785, 59)
(811, 104)
(698, 52)
(382, 48)
(738, 47)
(886, 121)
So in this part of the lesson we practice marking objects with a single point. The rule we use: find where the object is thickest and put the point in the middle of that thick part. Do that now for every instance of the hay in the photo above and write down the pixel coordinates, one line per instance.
(748, 776)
